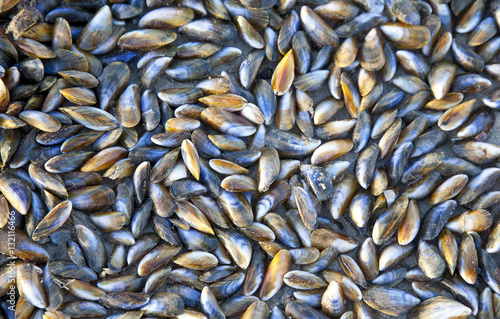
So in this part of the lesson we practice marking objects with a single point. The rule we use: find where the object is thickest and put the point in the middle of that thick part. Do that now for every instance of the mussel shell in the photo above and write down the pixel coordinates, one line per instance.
(440, 306)
(406, 36)
(210, 29)
(390, 301)
(165, 18)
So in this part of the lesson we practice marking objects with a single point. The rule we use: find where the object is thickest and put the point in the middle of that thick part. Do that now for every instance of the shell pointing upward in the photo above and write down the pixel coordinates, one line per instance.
(284, 74)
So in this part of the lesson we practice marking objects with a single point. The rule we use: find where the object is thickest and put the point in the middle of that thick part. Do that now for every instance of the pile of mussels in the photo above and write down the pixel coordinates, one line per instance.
(137, 182)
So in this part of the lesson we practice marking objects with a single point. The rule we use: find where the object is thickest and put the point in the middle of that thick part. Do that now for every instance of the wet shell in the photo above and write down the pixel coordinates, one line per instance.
(248, 33)
(166, 18)
(430, 260)
(442, 307)
(146, 39)
(303, 280)
(53, 220)
(390, 301)
(40, 120)
(323, 238)
(343, 191)
(209, 29)
(411, 224)
(124, 300)
(331, 150)
(274, 278)
(449, 189)
(365, 165)
(466, 57)
(406, 36)
(346, 53)
(456, 116)
(91, 117)
(388, 222)
(92, 247)
(227, 122)
(476, 220)
(441, 77)
(332, 301)
(318, 30)
(351, 94)
(477, 152)
(16, 192)
(372, 56)
(284, 74)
